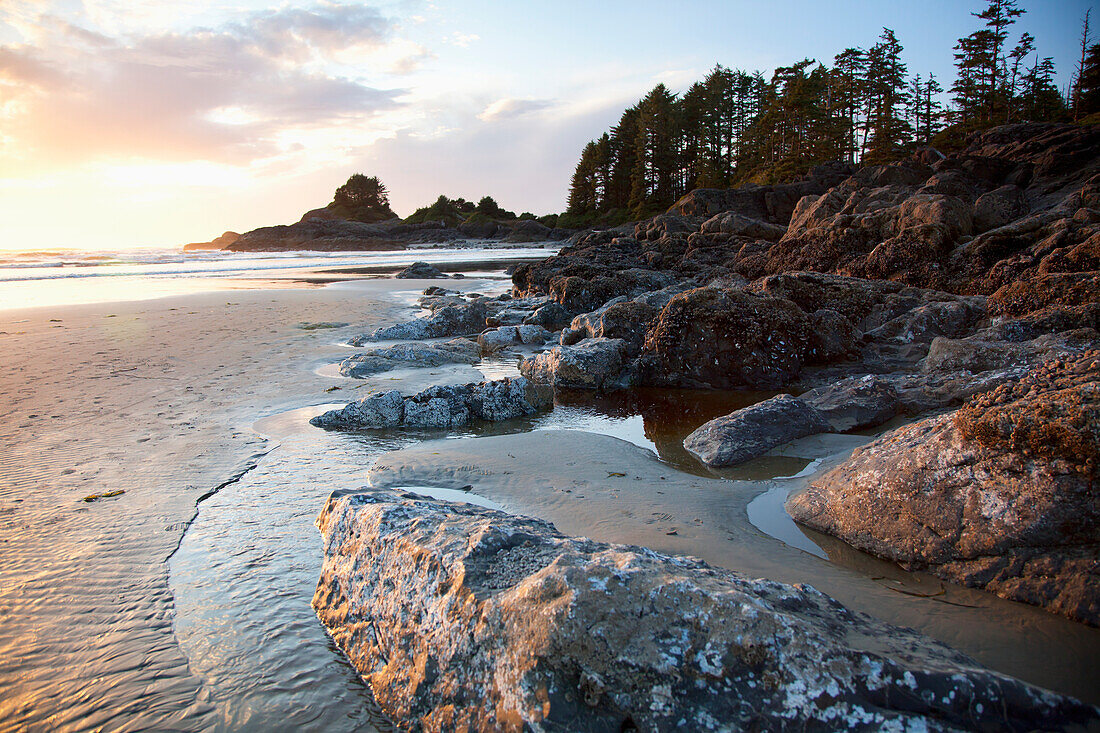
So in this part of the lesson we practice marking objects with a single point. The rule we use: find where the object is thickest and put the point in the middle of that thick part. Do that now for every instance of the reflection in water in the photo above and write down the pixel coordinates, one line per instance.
(245, 572)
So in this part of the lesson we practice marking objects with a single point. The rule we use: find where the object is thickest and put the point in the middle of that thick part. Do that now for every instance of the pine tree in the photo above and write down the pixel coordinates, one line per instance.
(980, 88)
(886, 92)
(1088, 99)
(1025, 46)
(652, 183)
(848, 98)
(1078, 77)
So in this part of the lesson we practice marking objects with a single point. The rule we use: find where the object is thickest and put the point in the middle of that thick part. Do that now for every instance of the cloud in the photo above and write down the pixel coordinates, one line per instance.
(75, 95)
(463, 40)
(508, 108)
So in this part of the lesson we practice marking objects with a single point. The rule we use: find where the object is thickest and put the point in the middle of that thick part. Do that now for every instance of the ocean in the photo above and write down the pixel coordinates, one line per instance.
(32, 279)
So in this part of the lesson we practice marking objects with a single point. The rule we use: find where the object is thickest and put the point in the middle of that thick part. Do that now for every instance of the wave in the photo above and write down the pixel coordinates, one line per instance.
(73, 264)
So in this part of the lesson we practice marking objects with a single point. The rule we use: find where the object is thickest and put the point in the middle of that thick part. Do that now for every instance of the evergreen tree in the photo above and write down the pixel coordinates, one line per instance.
(1088, 99)
(980, 89)
(1079, 75)
(362, 198)
(653, 176)
(848, 99)
(886, 93)
(1019, 53)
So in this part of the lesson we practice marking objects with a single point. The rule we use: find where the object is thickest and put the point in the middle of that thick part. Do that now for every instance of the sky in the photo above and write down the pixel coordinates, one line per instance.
(149, 123)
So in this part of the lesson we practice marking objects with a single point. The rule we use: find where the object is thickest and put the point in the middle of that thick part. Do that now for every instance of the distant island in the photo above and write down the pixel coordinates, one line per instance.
(360, 218)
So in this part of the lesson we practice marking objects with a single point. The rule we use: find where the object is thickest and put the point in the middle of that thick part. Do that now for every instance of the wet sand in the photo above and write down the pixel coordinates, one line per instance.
(157, 399)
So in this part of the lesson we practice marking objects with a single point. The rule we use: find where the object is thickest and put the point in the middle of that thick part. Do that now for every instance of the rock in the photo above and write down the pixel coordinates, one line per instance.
(528, 230)
(754, 430)
(1066, 289)
(375, 361)
(221, 242)
(452, 320)
(997, 208)
(383, 410)
(498, 338)
(595, 363)
(465, 618)
(735, 224)
(551, 316)
(420, 271)
(617, 319)
(440, 406)
(978, 354)
(921, 324)
(320, 234)
(832, 336)
(726, 339)
(855, 403)
(998, 495)
(531, 334)
(1053, 412)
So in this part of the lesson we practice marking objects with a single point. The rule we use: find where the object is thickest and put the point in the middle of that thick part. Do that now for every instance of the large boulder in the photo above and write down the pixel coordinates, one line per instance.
(528, 230)
(594, 363)
(439, 406)
(998, 495)
(754, 430)
(710, 337)
(465, 618)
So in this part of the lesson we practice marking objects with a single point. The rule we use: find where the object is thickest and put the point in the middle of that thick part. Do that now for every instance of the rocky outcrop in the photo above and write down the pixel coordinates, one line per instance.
(594, 363)
(419, 270)
(753, 431)
(998, 495)
(319, 234)
(725, 339)
(463, 618)
(323, 229)
(221, 242)
(376, 361)
(440, 406)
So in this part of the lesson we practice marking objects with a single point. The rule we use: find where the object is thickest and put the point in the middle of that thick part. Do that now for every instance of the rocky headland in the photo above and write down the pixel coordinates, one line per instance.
(956, 297)
(322, 230)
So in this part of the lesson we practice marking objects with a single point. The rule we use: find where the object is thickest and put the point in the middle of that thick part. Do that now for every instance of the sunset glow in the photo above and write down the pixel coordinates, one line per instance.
(157, 123)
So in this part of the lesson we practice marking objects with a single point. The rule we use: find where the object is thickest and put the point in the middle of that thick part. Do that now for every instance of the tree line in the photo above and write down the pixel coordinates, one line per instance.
(735, 127)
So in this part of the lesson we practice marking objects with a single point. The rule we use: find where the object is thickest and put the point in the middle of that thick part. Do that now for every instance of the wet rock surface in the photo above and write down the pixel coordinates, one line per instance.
(754, 430)
(594, 363)
(710, 337)
(440, 406)
(460, 617)
(998, 495)
(375, 361)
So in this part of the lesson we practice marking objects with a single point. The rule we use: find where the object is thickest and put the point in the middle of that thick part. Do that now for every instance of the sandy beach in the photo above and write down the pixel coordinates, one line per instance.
(157, 399)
